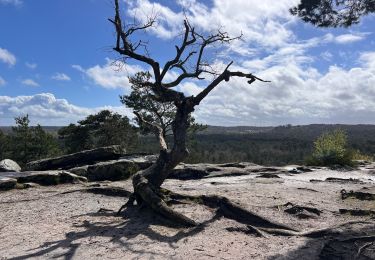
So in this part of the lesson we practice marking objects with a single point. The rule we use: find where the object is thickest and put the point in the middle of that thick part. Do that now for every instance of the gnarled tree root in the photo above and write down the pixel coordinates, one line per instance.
(228, 209)
(146, 195)
(158, 200)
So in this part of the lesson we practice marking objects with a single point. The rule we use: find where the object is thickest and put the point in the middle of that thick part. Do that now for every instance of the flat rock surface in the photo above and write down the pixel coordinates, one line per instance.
(77, 159)
(78, 221)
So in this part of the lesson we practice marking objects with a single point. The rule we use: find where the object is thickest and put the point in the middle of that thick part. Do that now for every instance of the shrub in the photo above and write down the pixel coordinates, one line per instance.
(331, 149)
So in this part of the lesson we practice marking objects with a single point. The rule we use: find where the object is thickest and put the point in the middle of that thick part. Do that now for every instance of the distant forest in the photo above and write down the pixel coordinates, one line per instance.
(266, 145)
(262, 145)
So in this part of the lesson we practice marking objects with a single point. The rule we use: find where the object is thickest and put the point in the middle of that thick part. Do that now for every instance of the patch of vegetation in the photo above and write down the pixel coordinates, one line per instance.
(102, 129)
(26, 143)
(331, 148)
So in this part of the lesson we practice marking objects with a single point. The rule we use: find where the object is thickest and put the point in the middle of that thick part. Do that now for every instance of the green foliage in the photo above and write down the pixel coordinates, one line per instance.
(27, 143)
(331, 149)
(359, 156)
(102, 129)
(4, 145)
(333, 13)
(143, 101)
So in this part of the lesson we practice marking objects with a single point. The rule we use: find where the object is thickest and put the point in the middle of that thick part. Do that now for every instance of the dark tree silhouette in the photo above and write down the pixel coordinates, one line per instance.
(192, 50)
(333, 13)
(102, 129)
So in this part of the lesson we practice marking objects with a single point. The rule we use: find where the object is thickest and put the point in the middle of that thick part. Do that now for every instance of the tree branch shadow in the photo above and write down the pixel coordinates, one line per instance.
(136, 222)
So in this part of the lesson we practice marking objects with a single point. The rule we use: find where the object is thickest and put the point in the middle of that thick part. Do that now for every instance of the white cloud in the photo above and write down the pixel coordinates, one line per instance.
(13, 2)
(30, 82)
(264, 23)
(367, 59)
(61, 77)
(31, 65)
(349, 38)
(46, 109)
(298, 95)
(7, 57)
(2, 81)
(112, 75)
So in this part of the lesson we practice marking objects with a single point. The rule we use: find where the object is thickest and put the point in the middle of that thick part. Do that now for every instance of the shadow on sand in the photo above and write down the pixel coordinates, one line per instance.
(136, 222)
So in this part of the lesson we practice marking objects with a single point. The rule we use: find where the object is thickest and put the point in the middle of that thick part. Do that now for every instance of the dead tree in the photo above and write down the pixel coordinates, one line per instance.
(147, 183)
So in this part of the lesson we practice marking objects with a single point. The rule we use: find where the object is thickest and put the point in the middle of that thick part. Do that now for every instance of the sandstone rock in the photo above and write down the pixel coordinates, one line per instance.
(116, 169)
(77, 159)
(8, 165)
(7, 183)
(203, 170)
(46, 178)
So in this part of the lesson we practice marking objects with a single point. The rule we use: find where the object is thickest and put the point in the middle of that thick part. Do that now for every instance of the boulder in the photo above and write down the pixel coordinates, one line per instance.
(77, 159)
(116, 169)
(46, 178)
(7, 183)
(204, 170)
(8, 165)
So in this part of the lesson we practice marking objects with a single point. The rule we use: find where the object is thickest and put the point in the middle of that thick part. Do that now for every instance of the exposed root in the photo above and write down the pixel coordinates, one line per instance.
(228, 209)
(319, 233)
(129, 203)
(109, 191)
(356, 195)
(358, 212)
(146, 194)
(248, 230)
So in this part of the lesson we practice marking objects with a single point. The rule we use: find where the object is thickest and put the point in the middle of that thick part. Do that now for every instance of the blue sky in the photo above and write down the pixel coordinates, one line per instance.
(56, 61)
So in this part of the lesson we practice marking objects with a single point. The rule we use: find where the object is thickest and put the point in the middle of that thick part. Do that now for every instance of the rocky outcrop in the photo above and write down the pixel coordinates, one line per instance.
(44, 178)
(203, 170)
(7, 183)
(116, 169)
(77, 159)
(8, 165)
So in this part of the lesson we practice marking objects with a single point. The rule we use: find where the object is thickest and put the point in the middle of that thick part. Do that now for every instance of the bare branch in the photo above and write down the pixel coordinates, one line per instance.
(126, 48)
(158, 130)
(189, 31)
(225, 75)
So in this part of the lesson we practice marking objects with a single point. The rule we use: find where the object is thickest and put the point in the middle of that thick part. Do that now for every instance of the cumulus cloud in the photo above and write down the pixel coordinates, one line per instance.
(61, 77)
(297, 95)
(7, 57)
(112, 75)
(30, 82)
(2, 81)
(263, 23)
(46, 109)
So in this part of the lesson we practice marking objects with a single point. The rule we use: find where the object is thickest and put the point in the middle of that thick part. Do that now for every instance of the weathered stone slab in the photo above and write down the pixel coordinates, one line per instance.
(8, 165)
(204, 170)
(116, 169)
(45, 178)
(77, 159)
(7, 183)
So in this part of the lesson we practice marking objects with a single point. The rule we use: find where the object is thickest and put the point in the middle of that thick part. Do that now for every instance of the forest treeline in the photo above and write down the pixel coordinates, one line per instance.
(262, 145)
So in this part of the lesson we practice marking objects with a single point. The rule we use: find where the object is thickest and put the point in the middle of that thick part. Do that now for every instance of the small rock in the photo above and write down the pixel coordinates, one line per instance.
(268, 175)
(28, 185)
(8, 165)
(7, 183)
(301, 211)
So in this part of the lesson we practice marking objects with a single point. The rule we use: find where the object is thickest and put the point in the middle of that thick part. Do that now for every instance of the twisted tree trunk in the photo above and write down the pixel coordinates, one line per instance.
(147, 183)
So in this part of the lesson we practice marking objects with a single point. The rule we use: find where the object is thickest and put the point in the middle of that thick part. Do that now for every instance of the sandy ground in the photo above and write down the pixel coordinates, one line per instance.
(65, 222)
